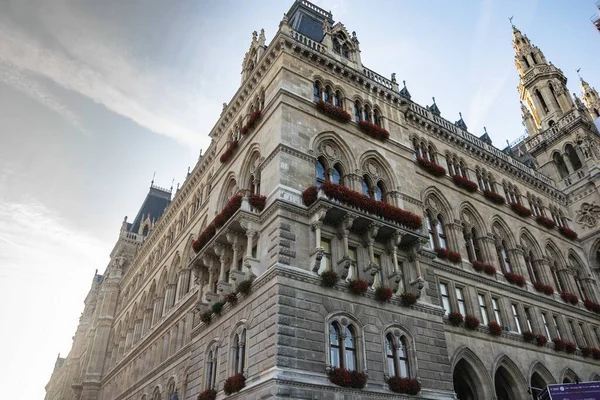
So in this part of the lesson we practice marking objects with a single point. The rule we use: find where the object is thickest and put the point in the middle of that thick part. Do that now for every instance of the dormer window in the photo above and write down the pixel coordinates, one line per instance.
(336, 46)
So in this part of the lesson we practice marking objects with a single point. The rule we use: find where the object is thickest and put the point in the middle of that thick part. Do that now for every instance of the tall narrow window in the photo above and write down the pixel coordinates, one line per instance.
(445, 298)
(403, 357)
(379, 191)
(356, 111)
(497, 313)
(573, 157)
(317, 92)
(326, 259)
(574, 334)
(516, 317)
(476, 248)
(546, 327)
(483, 309)
(350, 359)
(528, 319)
(556, 327)
(366, 187)
(582, 335)
(430, 230)
(557, 278)
(212, 369)
(397, 356)
(541, 100)
(353, 254)
(391, 355)
(334, 345)
(441, 235)
(531, 268)
(460, 298)
(336, 174)
(377, 259)
(468, 243)
(240, 352)
(321, 172)
(503, 257)
(326, 95)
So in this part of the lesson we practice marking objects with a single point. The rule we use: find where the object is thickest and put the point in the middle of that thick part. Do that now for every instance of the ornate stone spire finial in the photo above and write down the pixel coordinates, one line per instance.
(393, 77)
(254, 36)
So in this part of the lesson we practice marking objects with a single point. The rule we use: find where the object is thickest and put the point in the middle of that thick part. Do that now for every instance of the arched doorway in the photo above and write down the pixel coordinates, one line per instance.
(467, 384)
(537, 385)
(504, 385)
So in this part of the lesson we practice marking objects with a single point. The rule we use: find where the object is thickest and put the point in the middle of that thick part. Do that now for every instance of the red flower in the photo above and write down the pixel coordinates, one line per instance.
(228, 153)
(383, 294)
(253, 119)
(257, 201)
(455, 318)
(465, 183)
(358, 286)
(569, 298)
(334, 112)
(489, 269)
(231, 298)
(541, 340)
(206, 317)
(596, 354)
(515, 279)
(431, 167)
(208, 394)
(471, 322)
(329, 278)
(494, 328)
(404, 385)
(590, 305)
(520, 209)
(545, 221)
(494, 197)
(559, 344)
(234, 384)
(570, 347)
(528, 336)
(541, 287)
(210, 231)
(374, 130)
(586, 351)
(445, 254)
(408, 299)
(568, 233)
(343, 377)
(309, 196)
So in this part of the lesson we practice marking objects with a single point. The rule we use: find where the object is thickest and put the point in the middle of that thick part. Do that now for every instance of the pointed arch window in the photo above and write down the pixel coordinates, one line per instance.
(581, 288)
(345, 51)
(573, 157)
(503, 258)
(240, 352)
(336, 46)
(397, 355)
(558, 282)
(343, 346)
(473, 250)
(336, 174)
(356, 111)
(437, 233)
(526, 62)
(366, 113)
(376, 117)
(366, 186)
(380, 191)
(211, 369)
(321, 172)
(532, 270)
(317, 92)
(337, 99)
(560, 165)
(541, 100)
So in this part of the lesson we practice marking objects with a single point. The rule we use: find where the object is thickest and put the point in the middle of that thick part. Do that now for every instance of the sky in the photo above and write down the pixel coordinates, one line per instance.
(97, 96)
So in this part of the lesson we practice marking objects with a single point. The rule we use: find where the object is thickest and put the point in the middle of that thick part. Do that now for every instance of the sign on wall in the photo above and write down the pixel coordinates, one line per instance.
(572, 391)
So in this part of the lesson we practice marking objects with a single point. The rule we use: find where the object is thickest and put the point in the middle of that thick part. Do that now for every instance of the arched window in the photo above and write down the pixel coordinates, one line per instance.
(437, 234)
(376, 117)
(327, 94)
(573, 157)
(211, 368)
(554, 96)
(526, 62)
(239, 341)
(338, 99)
(380, 191)
(317, 92)
(541, 100)
(532, 269)
(356, 111)
(471, 244)
(560, 165)
(171, 389)
(336, 174)
(396, 349)
(502, 250)
(336, 46)
(345, 51)
(156, 394)
(321, 172)
(343, 346)
(558, 282)
(366, 186)
(366, 113)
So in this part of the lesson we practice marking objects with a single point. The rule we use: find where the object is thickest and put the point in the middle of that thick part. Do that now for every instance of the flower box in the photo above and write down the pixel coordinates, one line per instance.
(455, 318)
(590, 305)
(329, 278)
(206, 317)
(568, 233)
(445, 254)
(515, 279)
(344, 378)
(374, 130)
(383, 294)
(543, 288)
(404, 385)
(208, 394)
(229, 151)
(358, 286)
(234, 384)
(494, 328)
(545, 221)
(257, 201)
(408, 299)
(520, 210)
(479, 266)
(431, 167)
(209, 232)
(231, 298)
(596, 354)
(528, 336)
(559, 344)
(465, 183)
(217, 307)
(471, 322)
(494, 197)
(586, 351)
(334, 112)
(244, 287)
(569, 298)
(570, 347)
(540, 340)
(358, 200)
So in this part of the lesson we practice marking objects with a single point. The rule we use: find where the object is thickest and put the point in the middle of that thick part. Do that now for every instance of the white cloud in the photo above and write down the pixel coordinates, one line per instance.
(46, 268)
(93, 65)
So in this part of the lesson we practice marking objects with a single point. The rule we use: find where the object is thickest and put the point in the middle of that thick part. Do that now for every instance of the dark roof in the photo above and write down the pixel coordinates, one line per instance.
(155, 203)
(308, 19)
(404, 91)
(486, 138)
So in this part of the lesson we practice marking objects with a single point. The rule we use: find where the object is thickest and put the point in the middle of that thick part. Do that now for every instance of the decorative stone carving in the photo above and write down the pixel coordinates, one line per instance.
(587, 216)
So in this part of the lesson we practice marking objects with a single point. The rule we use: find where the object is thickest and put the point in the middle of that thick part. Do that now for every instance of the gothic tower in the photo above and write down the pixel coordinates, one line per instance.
(591, 99)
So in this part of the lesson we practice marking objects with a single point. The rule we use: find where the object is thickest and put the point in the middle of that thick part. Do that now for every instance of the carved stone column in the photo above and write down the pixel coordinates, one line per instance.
(517, 260)
(488, 245)
(184, 283)
(346, 265)
(158, 309)
(455, 234)
(393, 244)
(316, 224)
(544, 271)
(372, 268)
(137, 330)
(223, 252)
(147, 320)
(590, 288)
(169, 297)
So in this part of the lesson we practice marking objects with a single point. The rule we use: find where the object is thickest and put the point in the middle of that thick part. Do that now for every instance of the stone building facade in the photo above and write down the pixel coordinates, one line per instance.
(505, 239)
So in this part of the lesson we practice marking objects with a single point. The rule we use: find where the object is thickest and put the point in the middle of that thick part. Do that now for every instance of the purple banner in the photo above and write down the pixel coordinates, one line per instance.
(572, 391)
